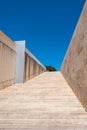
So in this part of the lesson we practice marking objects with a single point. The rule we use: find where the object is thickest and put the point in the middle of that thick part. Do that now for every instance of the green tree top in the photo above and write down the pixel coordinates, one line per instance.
(50, 68)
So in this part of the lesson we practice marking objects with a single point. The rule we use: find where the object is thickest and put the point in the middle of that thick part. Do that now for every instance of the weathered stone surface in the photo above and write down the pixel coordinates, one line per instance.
(7, 61)
(74, 67)
(43, 103)
(33, 67)
(17, 64)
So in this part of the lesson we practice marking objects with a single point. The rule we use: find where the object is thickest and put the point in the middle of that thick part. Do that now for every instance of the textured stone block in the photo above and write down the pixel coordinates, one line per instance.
(7, 61)
(74, 67)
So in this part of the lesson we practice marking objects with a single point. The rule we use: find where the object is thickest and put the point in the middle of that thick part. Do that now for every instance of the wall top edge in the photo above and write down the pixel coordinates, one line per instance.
(7, 41)
(33, 57)
(75, 31)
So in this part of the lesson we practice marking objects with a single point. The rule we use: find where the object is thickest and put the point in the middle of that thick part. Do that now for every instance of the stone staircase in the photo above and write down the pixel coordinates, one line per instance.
(43, 103)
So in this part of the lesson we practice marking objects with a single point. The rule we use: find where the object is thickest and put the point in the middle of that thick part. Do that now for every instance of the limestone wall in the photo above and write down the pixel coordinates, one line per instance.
(27, 66)
(74, 67)
(7, 61)
(17, 64)
(32, 66)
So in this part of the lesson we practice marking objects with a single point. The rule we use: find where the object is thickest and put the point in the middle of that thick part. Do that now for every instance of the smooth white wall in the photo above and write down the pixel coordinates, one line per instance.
(20, 60)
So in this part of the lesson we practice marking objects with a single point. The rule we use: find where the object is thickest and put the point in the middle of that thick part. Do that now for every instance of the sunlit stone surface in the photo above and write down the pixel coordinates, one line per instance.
(43, 103)
(74, 67)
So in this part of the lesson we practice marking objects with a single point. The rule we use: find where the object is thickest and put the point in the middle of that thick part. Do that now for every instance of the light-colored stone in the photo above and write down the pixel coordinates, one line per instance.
(26, 63)
(43, 103)
(74, 67)
(17, 64)
(7, 61)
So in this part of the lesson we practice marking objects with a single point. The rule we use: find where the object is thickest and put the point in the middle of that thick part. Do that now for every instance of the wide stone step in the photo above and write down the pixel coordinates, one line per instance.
(43, 103)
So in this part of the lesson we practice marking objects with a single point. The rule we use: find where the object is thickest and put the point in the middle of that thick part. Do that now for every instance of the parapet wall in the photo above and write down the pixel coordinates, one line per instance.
(33, 67)
(7, 61)
(17, 64)
(74, 67)
(27, 65)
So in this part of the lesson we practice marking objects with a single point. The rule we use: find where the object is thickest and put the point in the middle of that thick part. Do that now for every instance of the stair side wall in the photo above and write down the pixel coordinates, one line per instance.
(74, 67)
(7, 61)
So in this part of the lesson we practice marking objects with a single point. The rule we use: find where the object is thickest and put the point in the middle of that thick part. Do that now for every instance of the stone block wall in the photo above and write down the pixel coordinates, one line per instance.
(74, 67)
(17, 64)
(27, 65)
(7, 61)
(32, 66)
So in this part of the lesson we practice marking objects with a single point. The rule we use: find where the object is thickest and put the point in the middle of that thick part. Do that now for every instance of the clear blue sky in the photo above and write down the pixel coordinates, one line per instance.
(46, 25)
